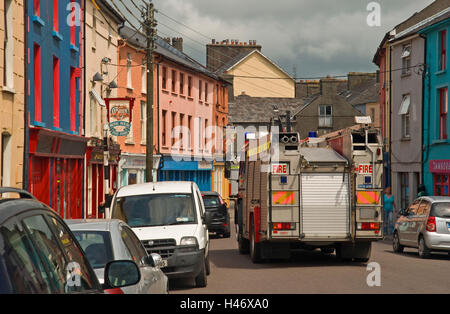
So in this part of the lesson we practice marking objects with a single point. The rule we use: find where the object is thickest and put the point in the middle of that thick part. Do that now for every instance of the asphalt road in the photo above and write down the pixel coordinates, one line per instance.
(314, 272)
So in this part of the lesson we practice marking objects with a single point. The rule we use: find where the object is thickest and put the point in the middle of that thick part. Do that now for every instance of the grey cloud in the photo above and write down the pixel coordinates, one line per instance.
(319, 37)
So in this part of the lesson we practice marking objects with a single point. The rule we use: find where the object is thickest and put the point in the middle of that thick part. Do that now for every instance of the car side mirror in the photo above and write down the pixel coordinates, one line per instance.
(121, 273)
(204, 219)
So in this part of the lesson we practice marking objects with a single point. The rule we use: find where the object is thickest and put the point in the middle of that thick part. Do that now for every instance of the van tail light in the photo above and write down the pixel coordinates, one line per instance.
(369, 226)
(431, 224)
(114, 291)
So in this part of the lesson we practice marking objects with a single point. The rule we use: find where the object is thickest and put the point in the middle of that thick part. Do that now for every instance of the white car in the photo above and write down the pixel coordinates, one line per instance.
(169, 219)
(110, 240)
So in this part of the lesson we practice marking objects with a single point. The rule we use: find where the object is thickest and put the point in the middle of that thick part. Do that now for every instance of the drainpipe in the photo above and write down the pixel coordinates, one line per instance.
(390, 116)
(26, 146)
(424, 76)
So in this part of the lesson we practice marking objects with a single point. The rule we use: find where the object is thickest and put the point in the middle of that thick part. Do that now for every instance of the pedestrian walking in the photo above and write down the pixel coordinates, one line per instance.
(389, 206)
(107, 203)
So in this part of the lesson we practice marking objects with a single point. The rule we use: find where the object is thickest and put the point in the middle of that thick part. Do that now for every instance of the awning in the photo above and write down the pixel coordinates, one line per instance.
(404, 108)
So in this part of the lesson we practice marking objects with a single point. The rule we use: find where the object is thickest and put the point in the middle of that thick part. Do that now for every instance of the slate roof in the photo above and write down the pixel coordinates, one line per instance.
(365, 93)
(246, 109)
(163, 48)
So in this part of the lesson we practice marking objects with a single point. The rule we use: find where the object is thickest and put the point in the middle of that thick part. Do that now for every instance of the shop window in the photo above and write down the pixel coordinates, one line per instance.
(441, 184)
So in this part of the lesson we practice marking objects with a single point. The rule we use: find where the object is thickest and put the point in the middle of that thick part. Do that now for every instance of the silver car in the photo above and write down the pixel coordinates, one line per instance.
(424, 225)
(109, 240)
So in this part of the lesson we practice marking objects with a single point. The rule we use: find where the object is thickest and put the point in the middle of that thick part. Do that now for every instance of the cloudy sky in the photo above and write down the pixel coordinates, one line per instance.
(317, 37)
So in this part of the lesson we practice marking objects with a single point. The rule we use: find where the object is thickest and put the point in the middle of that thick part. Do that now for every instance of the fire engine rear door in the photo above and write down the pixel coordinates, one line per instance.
(325, 206)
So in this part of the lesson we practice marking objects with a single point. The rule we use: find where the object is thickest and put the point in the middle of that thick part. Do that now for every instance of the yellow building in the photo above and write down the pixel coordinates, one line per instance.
(256, 75)
(12, 92)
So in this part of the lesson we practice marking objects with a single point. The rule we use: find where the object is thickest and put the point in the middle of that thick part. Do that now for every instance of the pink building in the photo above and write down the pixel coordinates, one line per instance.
(184, 114)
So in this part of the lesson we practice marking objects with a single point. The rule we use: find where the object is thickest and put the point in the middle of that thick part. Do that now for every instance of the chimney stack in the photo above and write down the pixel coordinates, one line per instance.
(177, 42)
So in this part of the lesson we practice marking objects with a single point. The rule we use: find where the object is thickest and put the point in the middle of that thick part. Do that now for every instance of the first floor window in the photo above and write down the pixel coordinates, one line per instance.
(441, 184)
(443, 110)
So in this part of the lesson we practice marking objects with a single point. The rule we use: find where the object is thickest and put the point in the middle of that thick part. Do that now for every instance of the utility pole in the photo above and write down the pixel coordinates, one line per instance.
(151, 36)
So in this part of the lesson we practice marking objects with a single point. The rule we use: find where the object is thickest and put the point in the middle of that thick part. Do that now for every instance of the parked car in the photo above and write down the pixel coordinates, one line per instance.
(169, 219)
(424, 225)
(217, 216)
(39, 254)
(108, 240)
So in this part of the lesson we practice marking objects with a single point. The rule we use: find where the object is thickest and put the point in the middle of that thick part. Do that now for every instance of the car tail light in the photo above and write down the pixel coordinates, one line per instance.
(431, 224)
(369, 226)
(283, 226)
(221, 201)
(114, 291)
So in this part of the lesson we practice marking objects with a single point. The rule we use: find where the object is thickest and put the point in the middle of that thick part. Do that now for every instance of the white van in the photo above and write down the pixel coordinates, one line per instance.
(169, 219)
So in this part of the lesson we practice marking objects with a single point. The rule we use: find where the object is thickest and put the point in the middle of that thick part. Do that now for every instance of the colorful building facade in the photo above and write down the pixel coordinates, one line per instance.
(56, 149)
(100, 74)
(12, 93)
(188, 102)
(436, 123)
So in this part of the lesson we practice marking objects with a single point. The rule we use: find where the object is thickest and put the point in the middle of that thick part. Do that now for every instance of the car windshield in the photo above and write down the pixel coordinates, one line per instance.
(441, 210)
(211, 200)
(155, 210)
(96, 246)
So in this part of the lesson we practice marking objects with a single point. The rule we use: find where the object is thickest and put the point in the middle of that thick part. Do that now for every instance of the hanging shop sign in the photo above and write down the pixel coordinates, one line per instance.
(119, 115)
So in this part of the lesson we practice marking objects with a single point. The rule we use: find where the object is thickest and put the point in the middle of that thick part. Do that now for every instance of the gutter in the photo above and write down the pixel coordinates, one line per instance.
(26, 150)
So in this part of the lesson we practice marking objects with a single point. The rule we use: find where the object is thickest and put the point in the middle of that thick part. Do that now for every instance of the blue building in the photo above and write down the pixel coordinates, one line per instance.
(436, 121)
(55, 150)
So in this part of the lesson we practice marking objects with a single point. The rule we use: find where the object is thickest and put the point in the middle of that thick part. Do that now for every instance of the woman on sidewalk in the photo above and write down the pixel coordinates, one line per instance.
(389, 206)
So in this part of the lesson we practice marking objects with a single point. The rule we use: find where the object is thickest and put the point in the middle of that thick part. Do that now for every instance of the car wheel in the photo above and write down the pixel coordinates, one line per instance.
(226, 235)
(424, 251)
(201, 281)
(255, 248)
(397, 247)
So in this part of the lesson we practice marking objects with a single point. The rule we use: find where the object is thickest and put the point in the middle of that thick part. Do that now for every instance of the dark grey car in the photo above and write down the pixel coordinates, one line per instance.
(40, 255)
(424, 225)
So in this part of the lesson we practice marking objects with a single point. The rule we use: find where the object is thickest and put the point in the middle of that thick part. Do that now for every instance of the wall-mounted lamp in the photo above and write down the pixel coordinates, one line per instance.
(113, 84)
(97, 77)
